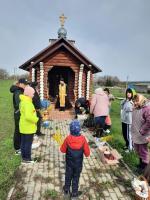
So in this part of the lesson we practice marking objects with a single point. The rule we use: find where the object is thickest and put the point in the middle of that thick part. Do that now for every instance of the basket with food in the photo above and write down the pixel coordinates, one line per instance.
(141, 188)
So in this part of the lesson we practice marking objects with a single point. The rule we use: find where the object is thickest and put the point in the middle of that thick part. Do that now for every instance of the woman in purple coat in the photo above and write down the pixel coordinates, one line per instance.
(140, 129)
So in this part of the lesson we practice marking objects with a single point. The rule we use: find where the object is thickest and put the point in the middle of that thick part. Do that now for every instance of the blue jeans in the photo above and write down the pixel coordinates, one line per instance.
(26, 145)
(100, 121)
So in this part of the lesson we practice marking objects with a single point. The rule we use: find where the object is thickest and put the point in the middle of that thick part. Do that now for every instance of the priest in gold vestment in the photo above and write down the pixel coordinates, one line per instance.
(62, 99)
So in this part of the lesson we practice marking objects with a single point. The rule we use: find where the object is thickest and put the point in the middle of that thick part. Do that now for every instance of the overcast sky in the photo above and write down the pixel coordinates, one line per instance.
(114, 34)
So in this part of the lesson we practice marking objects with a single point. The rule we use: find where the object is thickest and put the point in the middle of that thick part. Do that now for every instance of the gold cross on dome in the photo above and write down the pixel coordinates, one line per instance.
(62, 20)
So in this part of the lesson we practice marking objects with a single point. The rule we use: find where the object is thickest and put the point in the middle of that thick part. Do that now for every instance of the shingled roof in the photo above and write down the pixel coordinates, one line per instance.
(53, 48)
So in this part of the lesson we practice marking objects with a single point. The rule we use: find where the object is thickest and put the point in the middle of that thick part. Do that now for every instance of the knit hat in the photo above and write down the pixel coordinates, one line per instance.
(23, 80)
(29, 91)
(75, 128)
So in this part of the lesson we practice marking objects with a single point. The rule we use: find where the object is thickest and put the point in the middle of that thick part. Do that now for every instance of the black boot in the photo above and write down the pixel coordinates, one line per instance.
(66, 194)
(143, 165)
(140, 164)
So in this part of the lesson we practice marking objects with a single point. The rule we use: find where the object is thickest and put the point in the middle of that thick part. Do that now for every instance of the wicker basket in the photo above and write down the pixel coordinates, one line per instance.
(142, 178)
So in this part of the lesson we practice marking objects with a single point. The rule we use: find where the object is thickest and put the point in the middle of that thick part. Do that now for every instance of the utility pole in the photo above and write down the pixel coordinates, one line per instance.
(15, 76)
(127, 81)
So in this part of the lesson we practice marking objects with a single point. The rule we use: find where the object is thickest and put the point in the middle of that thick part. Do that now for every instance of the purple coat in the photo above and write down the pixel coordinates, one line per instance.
(140, 128)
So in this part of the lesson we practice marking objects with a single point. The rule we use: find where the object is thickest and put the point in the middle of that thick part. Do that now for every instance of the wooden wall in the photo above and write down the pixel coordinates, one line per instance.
(65, 59)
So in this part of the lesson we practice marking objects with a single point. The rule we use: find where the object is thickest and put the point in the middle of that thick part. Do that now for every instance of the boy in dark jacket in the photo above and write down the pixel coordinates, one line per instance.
(17, 89)
(75, 145)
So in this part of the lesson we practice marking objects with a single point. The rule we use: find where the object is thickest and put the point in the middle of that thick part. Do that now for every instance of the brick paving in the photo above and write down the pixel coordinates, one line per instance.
(56, 114)
(46, 177)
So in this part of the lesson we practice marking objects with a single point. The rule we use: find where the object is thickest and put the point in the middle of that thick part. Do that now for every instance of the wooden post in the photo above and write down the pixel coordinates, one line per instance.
(33, 73)
(88, 85)
(41, 81)
(80, 81)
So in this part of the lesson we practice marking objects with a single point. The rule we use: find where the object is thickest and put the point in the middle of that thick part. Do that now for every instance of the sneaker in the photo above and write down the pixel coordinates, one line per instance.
(65, 191)
(66, 194)
(18, 152)
(74, 198)
(107, 131)
(127, 151)
(28, 161)
(76, 195)
(36, 145)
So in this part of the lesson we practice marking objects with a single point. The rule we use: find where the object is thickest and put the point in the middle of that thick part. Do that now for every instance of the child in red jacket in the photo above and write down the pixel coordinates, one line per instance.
(75, 145)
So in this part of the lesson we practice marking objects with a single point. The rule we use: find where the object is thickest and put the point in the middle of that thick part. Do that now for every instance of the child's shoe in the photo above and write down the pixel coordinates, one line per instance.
(74, 196)
(127, 151)
(107, 131)
(18, 152)
(66, 194)
(28, 161)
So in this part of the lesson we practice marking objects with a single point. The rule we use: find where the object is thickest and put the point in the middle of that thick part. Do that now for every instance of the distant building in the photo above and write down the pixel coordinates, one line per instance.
(142, 87)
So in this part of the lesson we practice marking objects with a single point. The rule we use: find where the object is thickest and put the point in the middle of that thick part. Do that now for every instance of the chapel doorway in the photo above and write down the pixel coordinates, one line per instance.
(54, 76)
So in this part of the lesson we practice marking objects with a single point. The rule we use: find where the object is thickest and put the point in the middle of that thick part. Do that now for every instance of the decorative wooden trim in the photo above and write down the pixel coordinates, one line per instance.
(41, 81)
(88, 85)
(32, 73)
(80, 81)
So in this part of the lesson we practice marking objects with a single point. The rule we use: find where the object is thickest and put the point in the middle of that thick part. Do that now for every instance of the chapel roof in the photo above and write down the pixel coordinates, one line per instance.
(55, 46)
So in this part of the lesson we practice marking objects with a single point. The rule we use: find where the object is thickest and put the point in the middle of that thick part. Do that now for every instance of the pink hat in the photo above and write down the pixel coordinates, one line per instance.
(29, 91)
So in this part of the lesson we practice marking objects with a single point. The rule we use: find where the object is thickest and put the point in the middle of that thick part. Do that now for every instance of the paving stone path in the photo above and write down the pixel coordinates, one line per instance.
(44, 179)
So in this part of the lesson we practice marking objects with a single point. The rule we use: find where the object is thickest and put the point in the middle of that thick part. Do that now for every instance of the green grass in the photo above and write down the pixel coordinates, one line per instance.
(8, 161)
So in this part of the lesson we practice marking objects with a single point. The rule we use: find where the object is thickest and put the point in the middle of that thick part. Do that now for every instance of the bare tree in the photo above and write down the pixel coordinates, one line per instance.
(107, 80)
(3, 74)
(17, 77)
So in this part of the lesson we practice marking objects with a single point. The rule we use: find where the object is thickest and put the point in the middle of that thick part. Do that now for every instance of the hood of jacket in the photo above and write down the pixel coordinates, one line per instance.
(25, 98)
(75, 142)
(15, 88)
(99, 91)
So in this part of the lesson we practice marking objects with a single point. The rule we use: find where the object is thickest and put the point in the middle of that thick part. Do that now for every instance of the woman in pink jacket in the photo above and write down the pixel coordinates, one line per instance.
(100, 108)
